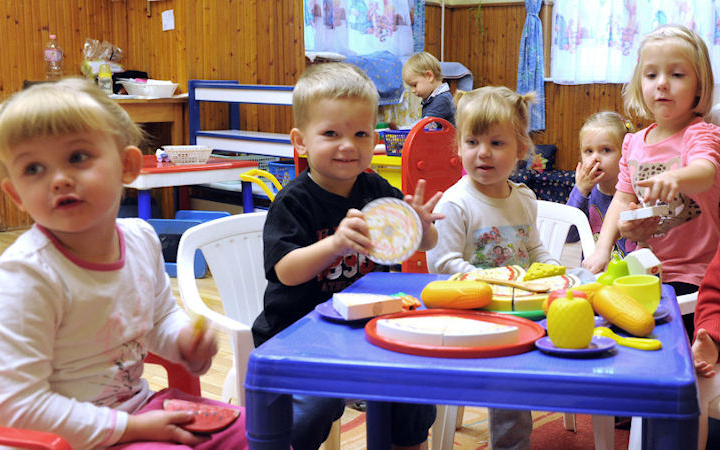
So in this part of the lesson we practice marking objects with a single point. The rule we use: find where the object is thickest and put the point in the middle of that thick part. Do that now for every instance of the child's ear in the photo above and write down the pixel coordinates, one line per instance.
(429, 75)
(9, 189)
(131, 159)
(298, 141)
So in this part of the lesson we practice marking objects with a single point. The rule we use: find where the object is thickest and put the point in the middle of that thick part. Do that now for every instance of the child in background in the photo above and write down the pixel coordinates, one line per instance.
(485, 210)
(674, 160)
(85, 295)
(423, 74)
(316, 239)
(601, 138)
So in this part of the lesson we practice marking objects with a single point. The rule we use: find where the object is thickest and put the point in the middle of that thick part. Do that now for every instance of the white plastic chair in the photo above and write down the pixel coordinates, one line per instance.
(233, 249)
(553, 222)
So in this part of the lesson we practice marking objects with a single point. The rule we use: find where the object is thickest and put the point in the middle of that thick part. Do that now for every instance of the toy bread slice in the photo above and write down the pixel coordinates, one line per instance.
(354, 306)
(542, 270)
(447, 331)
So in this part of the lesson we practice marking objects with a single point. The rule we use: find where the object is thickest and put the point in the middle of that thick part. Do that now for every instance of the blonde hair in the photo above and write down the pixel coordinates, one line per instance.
(71, 105)
(611, 123)
(419, 63)
(481, 108)
(329, 81)
(695, 50)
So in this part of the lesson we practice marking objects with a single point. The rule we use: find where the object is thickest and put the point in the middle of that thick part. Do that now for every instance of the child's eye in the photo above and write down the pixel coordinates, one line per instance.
(497, 143)
(650, 75)
(678, 75)
(471, 142)
(33, 169)
(330, 133)
(79, 157)
(607, 150)
(587, 151)
(362, 134)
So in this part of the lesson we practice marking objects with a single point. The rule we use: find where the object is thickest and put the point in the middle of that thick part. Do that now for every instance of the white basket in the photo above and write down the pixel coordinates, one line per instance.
(188, 154)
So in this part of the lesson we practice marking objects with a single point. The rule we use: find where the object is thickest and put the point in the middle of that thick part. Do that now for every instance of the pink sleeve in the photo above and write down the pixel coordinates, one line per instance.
(702, 140)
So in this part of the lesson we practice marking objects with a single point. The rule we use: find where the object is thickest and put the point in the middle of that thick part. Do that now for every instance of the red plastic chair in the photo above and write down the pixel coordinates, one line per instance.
(430, 155)
(178, 377)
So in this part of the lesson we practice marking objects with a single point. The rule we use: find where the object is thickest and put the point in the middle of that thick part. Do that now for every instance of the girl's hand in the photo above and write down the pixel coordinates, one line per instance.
(597, 262)
(163, 426)
(587, 176)
(705, 353)
(638, 230)
(424, 210)
(197, 348)
(352, 235)
(663, 187)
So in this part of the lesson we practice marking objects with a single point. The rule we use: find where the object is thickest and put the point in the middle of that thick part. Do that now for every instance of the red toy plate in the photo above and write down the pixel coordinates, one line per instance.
(206, 418)
(528, 331)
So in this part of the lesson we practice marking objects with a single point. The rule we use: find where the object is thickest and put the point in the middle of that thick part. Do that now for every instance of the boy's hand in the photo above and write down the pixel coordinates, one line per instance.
(587, 176)
(424, 210)
(352, 235)
(705, 353)
(638, 230)
(197, 347)
(162, 426)
(663, 186)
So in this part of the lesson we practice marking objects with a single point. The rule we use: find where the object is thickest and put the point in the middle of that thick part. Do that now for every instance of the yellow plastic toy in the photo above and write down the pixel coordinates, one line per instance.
(542, 270)
(253, 177)
(456, 294)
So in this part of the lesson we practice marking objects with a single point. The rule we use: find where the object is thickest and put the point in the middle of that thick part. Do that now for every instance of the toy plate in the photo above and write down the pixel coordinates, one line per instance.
(661, 313)
(528, 332)
(599, 344)
(530, 315)
(599, 322)
(327, 311)
(395, 230)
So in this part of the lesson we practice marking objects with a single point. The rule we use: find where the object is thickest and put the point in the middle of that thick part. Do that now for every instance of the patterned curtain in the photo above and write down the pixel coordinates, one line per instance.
(597, 41)
(531, 67)
(360, 27)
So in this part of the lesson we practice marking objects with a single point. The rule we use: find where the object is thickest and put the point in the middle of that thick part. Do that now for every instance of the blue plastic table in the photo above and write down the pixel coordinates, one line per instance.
(318, 357)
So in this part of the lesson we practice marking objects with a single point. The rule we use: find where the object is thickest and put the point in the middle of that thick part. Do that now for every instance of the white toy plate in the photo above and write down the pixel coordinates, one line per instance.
(395, 230)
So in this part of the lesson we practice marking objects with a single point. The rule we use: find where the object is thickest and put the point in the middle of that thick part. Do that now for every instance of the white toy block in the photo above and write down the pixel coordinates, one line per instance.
(353, 306)
(643, 261)
(644, 213)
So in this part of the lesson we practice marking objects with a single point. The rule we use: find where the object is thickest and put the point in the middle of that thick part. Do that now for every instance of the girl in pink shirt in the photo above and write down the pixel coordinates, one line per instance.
(674, 160)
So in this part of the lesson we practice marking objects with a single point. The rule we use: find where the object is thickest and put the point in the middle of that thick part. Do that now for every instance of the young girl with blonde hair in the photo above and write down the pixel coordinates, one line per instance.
(596, 175)
(490, 220)
(85, 295)
(674, 160)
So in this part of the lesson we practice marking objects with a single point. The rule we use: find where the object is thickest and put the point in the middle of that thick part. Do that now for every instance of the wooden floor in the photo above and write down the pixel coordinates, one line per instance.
(473, 432)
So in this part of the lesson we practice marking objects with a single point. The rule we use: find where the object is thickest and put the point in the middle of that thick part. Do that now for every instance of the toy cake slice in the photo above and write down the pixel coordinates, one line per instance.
(447, 331)
(354, 306)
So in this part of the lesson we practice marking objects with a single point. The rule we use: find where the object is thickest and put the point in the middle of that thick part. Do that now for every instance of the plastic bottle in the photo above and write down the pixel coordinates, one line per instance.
(53, 55)
(105, 78)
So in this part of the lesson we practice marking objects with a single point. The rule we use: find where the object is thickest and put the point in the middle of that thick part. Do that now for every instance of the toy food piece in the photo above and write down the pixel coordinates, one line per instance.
(616, 268)
(514, 299)
(206, 418)
(409, 303)
(623, 311)
(395, 230)
(353, 306)
(643, 261)
(542, 270)
(570, 322)
(444, 331)
(644, 213)
(560, 293)
(456, 294)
